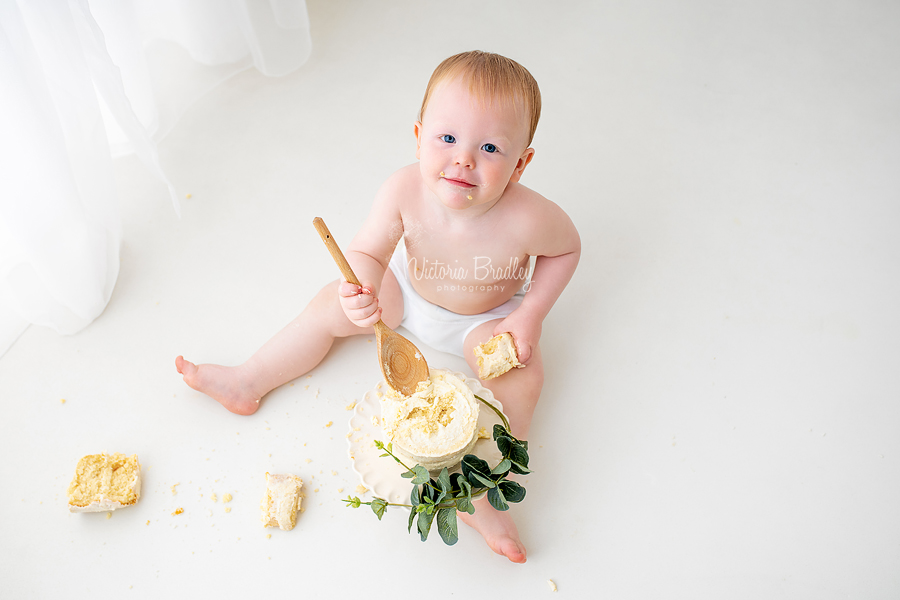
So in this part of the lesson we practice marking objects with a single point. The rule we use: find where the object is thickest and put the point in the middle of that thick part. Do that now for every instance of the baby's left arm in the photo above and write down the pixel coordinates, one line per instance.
(558, 249)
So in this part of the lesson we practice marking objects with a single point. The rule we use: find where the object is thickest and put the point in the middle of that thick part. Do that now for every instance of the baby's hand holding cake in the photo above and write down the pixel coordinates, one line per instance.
(496, 356)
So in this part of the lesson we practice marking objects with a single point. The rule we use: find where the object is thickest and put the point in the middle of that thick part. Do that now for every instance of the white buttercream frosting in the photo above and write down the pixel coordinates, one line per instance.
(436, 426)
(281, 501)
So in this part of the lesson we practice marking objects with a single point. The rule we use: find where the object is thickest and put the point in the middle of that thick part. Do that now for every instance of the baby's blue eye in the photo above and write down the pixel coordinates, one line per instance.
(490, 148)
(448, 138)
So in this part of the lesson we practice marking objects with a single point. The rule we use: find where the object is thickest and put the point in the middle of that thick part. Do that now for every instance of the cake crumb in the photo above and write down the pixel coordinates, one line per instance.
(178, 511)
(329, 423)
(62, 400)
(228, 509)
(350, 406)
(308, 460)
(334, 472)
(226, 498)
(213, 497)
(361, 489)
(148, 522)
(109, 515)
(187, 196)
(268, 536)
(340, 490)
(175, 485)
(552, 585)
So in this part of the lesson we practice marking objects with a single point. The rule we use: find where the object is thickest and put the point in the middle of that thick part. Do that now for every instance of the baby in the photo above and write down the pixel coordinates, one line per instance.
(469, 229)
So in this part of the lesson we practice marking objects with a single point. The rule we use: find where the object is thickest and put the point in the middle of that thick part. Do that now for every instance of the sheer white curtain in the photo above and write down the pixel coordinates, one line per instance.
(82, 81)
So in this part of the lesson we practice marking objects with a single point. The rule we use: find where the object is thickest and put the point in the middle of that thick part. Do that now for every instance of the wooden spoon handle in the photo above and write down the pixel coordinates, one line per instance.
(335, 250)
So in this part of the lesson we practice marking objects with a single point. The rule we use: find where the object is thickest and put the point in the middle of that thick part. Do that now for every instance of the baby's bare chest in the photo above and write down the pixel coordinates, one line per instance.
(465, 259)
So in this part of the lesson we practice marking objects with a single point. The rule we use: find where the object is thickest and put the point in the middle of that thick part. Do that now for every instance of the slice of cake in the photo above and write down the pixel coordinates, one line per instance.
(496, 356)
(281, 502)
(436, 426)
(105, 482)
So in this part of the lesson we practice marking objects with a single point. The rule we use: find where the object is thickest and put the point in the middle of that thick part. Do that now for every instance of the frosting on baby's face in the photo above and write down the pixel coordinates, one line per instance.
(469, 150)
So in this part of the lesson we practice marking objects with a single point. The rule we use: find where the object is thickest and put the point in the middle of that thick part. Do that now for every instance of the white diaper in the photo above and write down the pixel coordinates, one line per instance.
(438, 327)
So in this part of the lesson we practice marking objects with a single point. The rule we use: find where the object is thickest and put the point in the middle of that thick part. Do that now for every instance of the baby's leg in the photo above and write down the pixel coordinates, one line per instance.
(293, 351)
(518, 390)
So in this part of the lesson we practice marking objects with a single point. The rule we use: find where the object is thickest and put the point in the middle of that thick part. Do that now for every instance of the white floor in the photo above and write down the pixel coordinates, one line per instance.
(721, 416)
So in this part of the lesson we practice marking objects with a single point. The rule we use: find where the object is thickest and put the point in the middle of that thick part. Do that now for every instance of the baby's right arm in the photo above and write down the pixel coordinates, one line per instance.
(370, 252)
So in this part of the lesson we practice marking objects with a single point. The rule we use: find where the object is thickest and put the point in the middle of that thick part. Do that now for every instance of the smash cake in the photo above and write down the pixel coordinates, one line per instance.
(105, 482)
(436, 426)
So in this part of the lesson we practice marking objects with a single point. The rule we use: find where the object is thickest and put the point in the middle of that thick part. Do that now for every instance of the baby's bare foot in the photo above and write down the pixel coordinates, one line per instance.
(497, 528)
(222, 384)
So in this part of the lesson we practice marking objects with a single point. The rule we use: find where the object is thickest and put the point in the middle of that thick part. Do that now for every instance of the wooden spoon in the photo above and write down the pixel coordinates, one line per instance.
(402, 365)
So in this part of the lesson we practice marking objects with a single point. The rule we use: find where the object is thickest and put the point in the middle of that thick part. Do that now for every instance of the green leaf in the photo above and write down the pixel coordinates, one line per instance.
(353, 502)
(421, 475)
(519, 456)
(414, 501)
(495, 497)
(464, 504)
(502, 467)
(424, 524)
(443, 482)
(504, 445)
(378, 505)
(519, 469)
(447, 527)
(472, 465)
(500, 431)
(408, 474)
(481, 481)
(512, 491)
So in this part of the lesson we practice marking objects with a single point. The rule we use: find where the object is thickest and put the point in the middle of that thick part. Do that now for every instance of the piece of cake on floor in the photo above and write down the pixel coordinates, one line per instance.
(105, 482)
(281, 501)
(496, 356)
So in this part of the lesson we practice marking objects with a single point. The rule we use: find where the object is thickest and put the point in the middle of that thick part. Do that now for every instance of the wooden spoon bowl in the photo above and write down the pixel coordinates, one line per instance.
(402, 365)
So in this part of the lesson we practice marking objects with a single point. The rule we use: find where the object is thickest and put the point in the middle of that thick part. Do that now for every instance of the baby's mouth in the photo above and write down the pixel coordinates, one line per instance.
(458, 182)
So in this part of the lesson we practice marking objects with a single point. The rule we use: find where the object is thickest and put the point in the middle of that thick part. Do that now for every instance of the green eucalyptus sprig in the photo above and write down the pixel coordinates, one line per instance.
(439, 499)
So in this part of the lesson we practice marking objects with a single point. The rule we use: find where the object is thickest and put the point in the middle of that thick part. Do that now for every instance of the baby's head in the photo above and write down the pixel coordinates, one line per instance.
(491, 77)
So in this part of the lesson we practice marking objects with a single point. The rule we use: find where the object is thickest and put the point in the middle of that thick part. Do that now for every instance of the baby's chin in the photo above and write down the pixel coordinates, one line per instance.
(461, 201)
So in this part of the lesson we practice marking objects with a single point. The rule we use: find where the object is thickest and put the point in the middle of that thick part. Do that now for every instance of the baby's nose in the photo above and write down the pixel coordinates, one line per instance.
(465, 158)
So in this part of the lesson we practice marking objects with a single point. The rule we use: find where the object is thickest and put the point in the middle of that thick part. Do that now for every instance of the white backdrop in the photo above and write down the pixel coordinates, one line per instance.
(81, 81)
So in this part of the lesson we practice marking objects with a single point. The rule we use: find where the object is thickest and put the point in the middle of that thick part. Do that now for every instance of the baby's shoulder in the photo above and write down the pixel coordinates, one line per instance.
(540, 224)
(527, 205)
(398, 187)
(404, 178)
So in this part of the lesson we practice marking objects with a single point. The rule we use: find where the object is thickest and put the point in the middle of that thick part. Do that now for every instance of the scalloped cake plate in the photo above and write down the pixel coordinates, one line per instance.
(382, 476)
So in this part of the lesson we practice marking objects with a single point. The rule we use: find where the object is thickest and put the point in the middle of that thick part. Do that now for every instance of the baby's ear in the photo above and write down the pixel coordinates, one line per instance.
(526, 157)
(417, 130)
